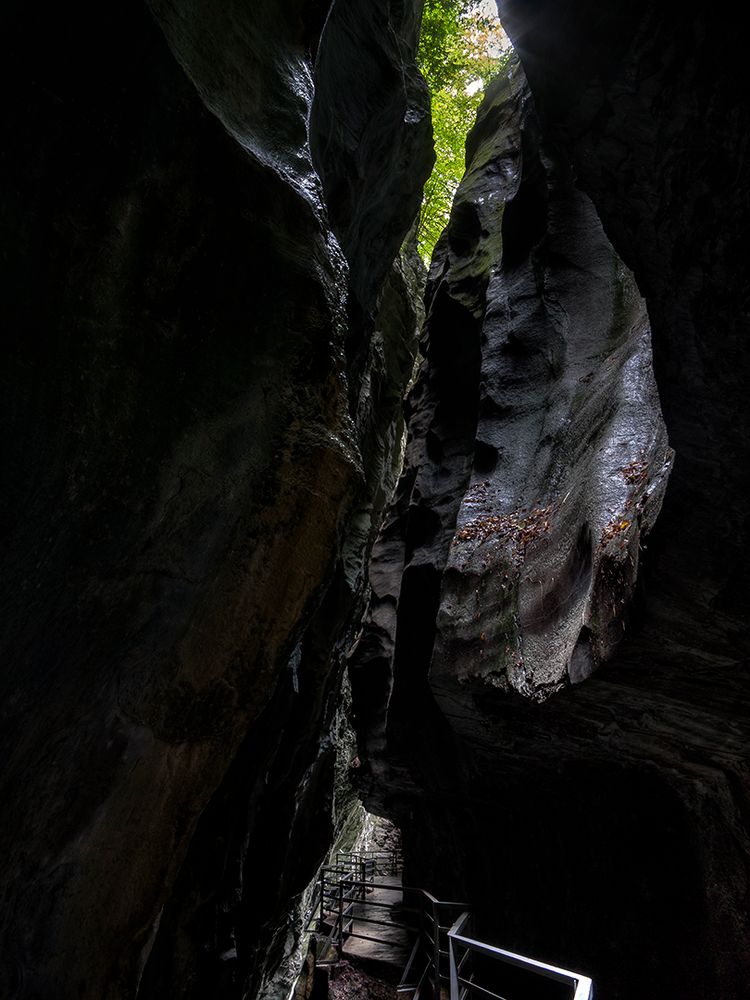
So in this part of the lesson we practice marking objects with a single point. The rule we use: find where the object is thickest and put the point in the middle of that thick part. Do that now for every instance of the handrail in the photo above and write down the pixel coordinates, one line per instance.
(443, 949)
(431, 947)
(582, 986)
(338, 890)
(376, 862)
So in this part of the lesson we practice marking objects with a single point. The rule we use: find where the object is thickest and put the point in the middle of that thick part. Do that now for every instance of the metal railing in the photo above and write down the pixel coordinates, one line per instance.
(478, 969)
(444, 959)
(364, 865)
(428, 967)
(341, 899)
(372, 863)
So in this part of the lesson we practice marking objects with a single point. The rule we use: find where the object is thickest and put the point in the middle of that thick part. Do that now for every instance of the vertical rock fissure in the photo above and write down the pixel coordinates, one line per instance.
(506, 570)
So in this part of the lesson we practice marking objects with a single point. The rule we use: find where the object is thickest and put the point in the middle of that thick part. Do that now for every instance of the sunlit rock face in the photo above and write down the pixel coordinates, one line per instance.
(645, 103)
(537, 457)
(202, 414)
(544, 687)
(570, 458)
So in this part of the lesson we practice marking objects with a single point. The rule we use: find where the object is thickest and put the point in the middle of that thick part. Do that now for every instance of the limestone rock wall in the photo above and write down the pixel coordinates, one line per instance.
(195, 462)
(537, 457)
(646, 105)
(549, 692)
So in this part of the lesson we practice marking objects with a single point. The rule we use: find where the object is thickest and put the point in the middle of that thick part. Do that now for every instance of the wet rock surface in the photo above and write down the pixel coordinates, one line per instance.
(194, 469)
(537, 457)
(546, 704)
(650, 118)
(653, 126)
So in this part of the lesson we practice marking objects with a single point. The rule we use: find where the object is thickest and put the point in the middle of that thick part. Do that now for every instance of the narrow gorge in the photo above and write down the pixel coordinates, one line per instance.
(293, 525)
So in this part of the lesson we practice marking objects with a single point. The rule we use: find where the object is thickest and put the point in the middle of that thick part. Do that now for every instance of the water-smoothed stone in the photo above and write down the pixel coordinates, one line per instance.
(547, 752)
(190, 487)
(537, 457)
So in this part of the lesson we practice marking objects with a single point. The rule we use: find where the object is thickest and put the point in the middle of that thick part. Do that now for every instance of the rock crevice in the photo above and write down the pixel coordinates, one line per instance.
(526, 710)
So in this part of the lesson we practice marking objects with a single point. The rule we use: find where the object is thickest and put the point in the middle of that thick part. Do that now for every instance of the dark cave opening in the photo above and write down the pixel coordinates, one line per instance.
(603, 877)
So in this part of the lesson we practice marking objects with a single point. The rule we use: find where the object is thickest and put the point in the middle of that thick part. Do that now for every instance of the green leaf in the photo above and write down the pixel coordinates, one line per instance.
(461, 48)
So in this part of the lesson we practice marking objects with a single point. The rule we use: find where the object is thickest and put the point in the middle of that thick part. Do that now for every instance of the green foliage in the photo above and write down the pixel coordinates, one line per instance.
(461, 48)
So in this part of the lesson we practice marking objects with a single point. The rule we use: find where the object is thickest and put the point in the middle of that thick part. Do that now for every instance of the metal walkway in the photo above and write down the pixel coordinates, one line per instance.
(361, 911)
(375, 937)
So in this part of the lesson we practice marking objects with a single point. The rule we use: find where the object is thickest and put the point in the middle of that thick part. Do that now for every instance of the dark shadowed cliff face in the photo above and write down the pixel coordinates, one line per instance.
(552, 686)
(193, 467)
